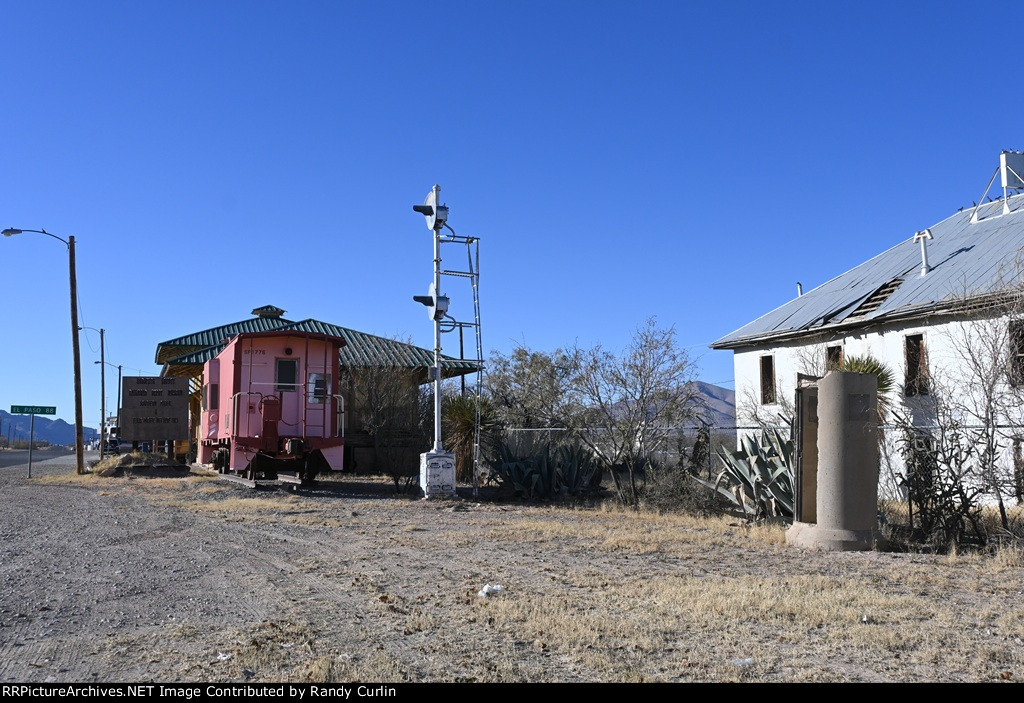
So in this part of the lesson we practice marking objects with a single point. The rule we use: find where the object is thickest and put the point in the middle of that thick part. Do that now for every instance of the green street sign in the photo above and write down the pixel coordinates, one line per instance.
(33, 409)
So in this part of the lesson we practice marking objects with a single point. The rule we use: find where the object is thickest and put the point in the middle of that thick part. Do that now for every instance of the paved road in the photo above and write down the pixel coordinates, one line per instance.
(19, 457)
(16, 460)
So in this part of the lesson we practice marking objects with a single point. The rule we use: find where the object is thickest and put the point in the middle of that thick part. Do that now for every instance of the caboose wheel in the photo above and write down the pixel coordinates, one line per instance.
(310, 468)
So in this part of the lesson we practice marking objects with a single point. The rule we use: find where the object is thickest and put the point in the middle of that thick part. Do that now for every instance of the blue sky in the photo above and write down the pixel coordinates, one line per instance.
(618, 161)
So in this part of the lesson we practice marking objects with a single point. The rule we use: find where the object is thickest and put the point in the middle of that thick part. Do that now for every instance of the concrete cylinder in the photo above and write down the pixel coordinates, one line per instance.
(848, 462)
(847, 495)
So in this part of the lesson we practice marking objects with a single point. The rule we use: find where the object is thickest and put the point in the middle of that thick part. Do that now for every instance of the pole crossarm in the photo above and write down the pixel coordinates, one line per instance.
(11, 231)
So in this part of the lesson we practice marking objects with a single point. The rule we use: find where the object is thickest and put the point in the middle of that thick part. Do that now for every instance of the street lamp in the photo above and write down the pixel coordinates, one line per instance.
(70, 243)
(118, 390)
(103, 391)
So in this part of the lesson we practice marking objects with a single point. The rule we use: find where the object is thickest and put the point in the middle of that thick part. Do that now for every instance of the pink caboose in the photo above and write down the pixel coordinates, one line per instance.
(269, 406)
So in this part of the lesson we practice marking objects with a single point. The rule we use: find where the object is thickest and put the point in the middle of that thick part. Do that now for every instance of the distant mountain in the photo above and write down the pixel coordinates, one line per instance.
(712, 404)
(718, 404)
(52, 431)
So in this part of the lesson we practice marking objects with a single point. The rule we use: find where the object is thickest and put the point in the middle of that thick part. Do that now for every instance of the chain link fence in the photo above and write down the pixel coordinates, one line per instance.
(695, 447)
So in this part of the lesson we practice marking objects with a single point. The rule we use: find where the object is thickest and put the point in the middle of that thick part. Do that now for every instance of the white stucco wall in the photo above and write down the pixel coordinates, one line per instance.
(950, 374)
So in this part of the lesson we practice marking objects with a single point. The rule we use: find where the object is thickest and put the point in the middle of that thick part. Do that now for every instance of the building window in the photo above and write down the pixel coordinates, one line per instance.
(318, 388)
(920, 466)
(287, 377)
(1017, 352)
(917, 365)
(833, 358)
(767, 380)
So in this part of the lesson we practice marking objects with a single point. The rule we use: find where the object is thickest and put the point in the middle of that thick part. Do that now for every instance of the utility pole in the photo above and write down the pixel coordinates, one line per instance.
(79, 439)
(103, 389)
(70, 243)
(119, 402)
(103, 396)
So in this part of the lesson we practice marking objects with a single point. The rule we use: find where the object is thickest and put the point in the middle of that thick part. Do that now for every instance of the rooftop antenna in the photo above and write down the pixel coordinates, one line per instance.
(923, 237)
(1011, 166)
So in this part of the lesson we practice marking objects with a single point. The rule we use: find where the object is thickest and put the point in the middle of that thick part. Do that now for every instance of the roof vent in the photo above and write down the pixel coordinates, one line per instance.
(923, 237)
(875, 300)
(268, 311)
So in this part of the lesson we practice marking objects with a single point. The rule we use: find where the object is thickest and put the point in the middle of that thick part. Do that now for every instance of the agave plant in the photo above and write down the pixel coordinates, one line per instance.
(757, 479)
(548, 473)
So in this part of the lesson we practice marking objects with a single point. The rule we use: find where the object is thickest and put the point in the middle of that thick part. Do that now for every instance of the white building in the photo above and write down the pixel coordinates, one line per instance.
(941, 309)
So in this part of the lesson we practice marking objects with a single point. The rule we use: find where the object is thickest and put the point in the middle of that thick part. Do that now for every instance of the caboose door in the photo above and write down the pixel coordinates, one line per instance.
(320, 414)
(287, 386)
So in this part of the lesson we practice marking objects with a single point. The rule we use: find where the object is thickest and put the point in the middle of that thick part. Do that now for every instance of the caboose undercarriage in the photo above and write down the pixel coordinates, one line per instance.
(295, 460)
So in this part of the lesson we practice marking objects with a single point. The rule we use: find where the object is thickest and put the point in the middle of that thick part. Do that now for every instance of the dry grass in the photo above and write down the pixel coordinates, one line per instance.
(375, 667)
(250, 509)
(134, 458)
(638, 532)
(380, 589)
(710, 627)
(897, 512)
(69, 478)
(1007, 556)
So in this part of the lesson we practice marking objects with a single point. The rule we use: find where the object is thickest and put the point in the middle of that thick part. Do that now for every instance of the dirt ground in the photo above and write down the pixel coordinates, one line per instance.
(195, 579)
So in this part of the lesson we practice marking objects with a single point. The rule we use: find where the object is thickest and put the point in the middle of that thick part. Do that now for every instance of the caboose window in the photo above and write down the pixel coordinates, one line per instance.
(287, 375)
(211, 396)
(319, 387)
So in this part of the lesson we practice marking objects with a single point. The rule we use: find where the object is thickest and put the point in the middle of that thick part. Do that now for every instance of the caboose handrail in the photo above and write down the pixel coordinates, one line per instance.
(341, 413)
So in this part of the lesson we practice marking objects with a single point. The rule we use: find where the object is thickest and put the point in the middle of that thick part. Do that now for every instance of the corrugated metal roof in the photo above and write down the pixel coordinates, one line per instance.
(361, 349)
(215, 335)
(966, 261)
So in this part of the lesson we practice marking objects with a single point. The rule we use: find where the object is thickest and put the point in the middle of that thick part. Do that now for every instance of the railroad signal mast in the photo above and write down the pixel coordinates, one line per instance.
(437, 467)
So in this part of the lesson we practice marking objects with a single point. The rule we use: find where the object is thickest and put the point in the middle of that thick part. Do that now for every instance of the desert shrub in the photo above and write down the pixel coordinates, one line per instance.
(390, 408)
(943, 508)
(671, 488)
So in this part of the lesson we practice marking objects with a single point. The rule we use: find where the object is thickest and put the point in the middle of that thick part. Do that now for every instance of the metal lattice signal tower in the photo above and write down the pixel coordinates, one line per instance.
(437, 303)
(472, 273)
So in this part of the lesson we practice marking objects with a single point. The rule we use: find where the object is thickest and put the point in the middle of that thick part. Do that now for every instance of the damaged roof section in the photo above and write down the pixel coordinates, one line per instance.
(967, 260)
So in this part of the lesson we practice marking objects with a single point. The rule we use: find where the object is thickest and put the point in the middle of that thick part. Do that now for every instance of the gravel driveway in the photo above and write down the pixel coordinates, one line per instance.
(196, 579)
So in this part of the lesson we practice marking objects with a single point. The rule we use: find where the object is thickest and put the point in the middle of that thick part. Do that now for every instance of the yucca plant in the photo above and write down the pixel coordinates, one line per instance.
(886, 380)
(458, 424)
(757, 479)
